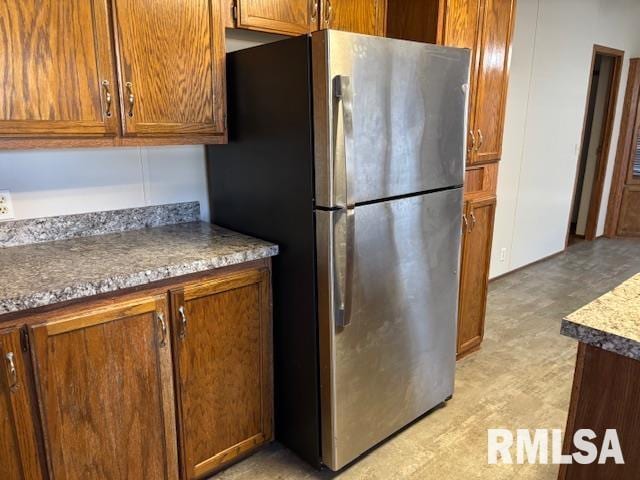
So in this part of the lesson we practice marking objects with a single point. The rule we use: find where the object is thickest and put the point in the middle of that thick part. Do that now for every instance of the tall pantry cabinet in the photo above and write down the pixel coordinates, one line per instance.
(486, 28)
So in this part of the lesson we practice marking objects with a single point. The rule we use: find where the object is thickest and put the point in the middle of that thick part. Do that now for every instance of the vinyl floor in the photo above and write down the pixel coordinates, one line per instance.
(521, 378)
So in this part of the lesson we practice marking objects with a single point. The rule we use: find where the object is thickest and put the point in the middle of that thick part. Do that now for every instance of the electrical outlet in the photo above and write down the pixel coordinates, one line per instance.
(6, 207)
(503, 254)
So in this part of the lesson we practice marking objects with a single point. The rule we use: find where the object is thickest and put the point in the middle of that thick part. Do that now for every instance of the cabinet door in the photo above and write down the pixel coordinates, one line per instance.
(222, 338)
(288, 17)
(19, 457)
(105, 388)
(358, 16)
(493, 75)
(57, 69)
(474, 275)
(171, 66)
(461, 23)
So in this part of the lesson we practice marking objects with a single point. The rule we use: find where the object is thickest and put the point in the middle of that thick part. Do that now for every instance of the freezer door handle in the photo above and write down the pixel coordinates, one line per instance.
(344, 149)
(345, 231)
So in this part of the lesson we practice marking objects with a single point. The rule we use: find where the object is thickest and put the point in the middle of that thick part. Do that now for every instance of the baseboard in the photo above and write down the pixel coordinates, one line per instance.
(527, 265)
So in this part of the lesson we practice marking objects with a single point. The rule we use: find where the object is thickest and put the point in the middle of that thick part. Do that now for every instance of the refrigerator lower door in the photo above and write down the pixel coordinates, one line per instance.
(388, 293)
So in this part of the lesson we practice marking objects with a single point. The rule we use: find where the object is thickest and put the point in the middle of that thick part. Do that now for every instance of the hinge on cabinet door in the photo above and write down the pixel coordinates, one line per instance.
(24, 340)
(234, 10)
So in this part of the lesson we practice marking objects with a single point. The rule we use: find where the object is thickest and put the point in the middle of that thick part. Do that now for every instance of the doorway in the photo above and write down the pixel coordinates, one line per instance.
(602, 94)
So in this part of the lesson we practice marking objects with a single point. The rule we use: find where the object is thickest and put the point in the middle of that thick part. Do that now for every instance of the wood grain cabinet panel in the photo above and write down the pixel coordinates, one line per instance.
(474, 274)
(57, 69)
(492, 80)
(629, 222)
(171, 66)
(19, 452)
(105, 388)
(460, 28)
(358, 16)
(222, 338)
(287, 17)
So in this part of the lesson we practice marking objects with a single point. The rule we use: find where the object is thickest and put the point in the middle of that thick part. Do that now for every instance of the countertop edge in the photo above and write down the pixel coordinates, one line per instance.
(598, 338)
(121, 282)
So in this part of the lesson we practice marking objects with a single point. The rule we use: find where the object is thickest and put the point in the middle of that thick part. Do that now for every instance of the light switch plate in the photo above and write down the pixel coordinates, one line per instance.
(6, 206)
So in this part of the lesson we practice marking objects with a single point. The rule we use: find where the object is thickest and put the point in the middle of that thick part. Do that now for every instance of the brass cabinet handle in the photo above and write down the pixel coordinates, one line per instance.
(314, 12)
(13, 372)
(163, 329)
(472, 146)
(132, 98)
(328, 13)
(465, 222)
(480, 140)
(107, 96)
(183, 321)
(473, 220)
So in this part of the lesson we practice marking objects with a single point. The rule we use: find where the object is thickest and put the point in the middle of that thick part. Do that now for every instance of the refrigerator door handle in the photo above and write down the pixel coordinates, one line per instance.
(343, 163)
(344, 263)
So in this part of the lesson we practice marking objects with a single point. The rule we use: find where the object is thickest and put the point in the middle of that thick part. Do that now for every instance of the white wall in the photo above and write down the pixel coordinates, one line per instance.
(550, 70)
(46, 183)
(64, 181)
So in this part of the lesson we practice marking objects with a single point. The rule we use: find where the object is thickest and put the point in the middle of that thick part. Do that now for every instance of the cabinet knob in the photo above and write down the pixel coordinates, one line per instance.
(132, 98)
(465, 222)
(473, 220)
(480, 139)
(107, 97)
(314, 12)
(163, 329)
(13, 372)
(183, 321)
(328, 13)
(472, 145)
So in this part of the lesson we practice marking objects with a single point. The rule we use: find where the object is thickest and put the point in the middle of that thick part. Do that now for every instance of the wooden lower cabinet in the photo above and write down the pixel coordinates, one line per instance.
(166, 383)
(222, 350)
(606, 388)
(474, 274)
(105, 387)
(19, 453)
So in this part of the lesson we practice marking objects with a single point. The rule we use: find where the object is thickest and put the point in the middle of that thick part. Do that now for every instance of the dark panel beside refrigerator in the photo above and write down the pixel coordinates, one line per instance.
(262, 184)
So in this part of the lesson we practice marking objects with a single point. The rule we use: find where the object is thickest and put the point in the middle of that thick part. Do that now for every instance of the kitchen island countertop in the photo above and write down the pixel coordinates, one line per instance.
(611, 322)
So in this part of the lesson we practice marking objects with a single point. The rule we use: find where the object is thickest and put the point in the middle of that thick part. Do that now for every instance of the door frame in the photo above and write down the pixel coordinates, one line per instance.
(603, 157)
(628, 124)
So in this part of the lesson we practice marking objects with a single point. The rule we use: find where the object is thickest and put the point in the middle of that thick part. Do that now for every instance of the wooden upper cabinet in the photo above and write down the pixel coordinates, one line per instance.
(287, 17)
(474, 280)
(492, 79)
(19, 453)
(105, 388)
(171, 67)
(460, 28)
(222, 355)
(358, 16)
(57, 69)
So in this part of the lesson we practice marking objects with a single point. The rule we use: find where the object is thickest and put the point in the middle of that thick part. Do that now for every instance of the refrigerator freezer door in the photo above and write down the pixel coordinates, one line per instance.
(394, 358)
(389, 115)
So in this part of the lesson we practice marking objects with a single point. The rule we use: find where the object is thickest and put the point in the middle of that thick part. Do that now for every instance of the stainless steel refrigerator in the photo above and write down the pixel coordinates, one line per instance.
(348, 151)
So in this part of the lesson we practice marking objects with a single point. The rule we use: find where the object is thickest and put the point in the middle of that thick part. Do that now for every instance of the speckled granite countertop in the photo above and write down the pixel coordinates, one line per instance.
(42, 274)
(611, 322)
